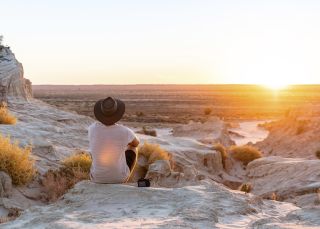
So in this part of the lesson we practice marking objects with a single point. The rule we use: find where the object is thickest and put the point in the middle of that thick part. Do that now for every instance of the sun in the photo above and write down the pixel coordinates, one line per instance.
(275, 85)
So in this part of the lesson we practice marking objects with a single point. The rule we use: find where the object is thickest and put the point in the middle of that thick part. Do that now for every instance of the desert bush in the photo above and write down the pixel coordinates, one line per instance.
(75, 168)
(318, 153)
(274, 196)
(207, 111)
(139, 113)
(6, 117)
(302, 126)
(153, 152)
(78, 161)
(245, 188)
(219, 147)
(16, 161)
(245, 153)
(54, 184)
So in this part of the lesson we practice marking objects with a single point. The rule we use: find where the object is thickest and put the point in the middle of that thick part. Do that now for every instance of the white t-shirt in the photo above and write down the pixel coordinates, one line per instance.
(107, 145)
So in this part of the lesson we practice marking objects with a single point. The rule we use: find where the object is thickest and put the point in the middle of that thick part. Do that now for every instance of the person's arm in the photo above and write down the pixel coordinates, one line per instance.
(134, 143)
(133, 140)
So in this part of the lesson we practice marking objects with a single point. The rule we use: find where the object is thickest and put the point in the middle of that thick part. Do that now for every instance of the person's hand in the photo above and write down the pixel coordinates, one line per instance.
(134, 143)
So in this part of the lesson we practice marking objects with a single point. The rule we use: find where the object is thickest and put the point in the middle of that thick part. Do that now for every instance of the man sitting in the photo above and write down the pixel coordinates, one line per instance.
(112, 146)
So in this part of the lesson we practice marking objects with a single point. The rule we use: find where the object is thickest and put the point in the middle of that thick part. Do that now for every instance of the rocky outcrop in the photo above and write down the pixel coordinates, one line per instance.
(286, 179)
(53, 134)
(12, 82)
(213, 130)
(207, 205)
(292, 137)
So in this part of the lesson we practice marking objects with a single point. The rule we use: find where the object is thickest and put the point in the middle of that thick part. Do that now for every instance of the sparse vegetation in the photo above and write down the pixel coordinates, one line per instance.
(245, 153)
(245, 188)
(207, 111)
(139, 113)
(12, 215)
(274, 197)
(74, 169)
(78, 161)
(318, 154)
(152, 153)
(219, 147)
(6, 117)
(16, 161)
(302, 126)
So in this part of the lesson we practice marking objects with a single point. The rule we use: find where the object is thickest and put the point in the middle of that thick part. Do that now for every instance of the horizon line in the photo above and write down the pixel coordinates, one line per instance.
(170, 84)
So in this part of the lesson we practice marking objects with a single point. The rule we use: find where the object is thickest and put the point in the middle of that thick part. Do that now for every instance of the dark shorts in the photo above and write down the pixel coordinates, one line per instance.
(131, 158)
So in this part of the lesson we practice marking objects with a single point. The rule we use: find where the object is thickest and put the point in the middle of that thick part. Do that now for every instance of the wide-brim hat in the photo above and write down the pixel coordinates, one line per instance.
(109, 110)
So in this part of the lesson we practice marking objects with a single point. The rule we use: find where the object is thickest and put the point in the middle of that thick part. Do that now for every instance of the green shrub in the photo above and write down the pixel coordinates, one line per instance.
(245, 153)
(16, 162)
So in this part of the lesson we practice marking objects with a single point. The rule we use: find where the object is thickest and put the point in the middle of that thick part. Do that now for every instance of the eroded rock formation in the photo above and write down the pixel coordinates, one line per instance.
(292, 180)
(292, 137)
(12, 82)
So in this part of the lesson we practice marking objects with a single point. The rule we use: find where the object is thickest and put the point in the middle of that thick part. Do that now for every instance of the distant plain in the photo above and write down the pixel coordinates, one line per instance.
(169, 104)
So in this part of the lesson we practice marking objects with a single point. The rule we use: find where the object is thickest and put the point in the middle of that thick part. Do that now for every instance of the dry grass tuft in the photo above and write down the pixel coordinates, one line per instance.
(245, 188)
(74, 169)
(318, 154)
(6, 117)
(302, 126)
(16, 162)
(139, 113)
(245, 153)
(219, 147)
(153, 152)
(78, 161)
(12, 215)
(207, 111)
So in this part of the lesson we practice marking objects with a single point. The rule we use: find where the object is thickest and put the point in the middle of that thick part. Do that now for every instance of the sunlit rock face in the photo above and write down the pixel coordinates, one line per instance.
(294, 180)
(12, 82)
(293, 136)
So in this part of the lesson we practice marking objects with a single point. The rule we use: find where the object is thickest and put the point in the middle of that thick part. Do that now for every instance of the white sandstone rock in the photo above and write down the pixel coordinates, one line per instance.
(207, 205)
(295, 180)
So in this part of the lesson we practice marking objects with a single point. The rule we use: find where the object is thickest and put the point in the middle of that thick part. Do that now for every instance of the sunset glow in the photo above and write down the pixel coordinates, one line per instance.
(180, 42)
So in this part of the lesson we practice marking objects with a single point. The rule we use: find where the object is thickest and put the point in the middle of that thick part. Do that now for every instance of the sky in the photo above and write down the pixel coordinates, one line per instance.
(272, 42)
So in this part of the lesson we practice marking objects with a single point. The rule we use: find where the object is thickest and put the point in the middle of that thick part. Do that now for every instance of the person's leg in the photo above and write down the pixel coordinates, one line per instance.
(131, 158)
